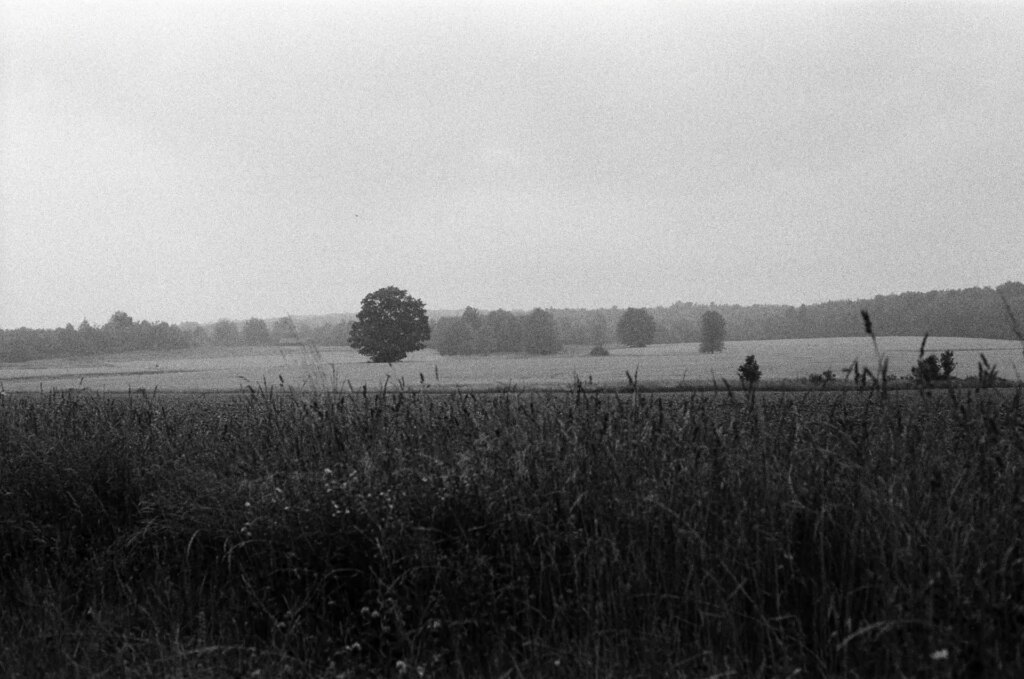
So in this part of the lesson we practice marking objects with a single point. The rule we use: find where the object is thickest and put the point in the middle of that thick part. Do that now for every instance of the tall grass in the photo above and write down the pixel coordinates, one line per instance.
(574, 534)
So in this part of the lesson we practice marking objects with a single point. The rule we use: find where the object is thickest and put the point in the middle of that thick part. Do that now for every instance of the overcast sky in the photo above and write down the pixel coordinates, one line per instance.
(191, 161)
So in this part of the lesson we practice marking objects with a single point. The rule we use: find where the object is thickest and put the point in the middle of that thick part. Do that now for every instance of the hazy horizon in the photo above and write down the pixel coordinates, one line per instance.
(195, 161)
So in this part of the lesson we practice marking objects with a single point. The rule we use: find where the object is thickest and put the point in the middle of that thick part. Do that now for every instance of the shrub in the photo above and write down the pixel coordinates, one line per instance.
(749, 372)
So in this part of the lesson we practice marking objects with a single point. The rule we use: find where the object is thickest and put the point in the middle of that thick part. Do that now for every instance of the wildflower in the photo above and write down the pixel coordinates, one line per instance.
(401, 667)
(941, 654)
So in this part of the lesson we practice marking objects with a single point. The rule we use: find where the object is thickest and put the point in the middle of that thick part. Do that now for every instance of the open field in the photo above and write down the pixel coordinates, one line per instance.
(220, 369)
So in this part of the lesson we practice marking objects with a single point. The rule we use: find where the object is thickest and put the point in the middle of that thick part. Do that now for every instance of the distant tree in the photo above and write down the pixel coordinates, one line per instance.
(166, 337)
(540, 333)
(474, 322)
(333, 334)
(389, 325)
(118, 321)
(453, 337)
(683, 330)
(225, 333)
(473, 318)
(282, 331)
(200, 337)
(89, 338)
(597, 328)
(255, 332)
(712, 332)
(636, 327)
(502, 332)
(68, 342)
(117, 333)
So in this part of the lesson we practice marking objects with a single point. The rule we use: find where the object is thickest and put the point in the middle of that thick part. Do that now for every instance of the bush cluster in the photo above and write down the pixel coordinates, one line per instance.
(497, 332)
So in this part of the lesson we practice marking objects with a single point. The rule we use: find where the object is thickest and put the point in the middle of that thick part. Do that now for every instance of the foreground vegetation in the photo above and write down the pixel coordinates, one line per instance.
(574, 534)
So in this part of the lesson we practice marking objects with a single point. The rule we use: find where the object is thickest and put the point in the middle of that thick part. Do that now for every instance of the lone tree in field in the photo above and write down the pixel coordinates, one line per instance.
(389, 325)
(636, 328)
(712, 332)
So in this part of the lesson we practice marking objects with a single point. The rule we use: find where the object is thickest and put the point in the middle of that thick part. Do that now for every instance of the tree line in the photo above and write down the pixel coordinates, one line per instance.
(545, 332)
(123, 333)
(972, 312)
(498, 332)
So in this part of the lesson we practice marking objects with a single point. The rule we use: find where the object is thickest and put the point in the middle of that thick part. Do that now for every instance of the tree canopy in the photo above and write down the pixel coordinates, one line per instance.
(255, 332)
(390, 324)
(712, 332)
(636, 327)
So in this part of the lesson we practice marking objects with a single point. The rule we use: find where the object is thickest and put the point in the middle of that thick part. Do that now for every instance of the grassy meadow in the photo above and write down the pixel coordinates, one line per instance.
(231, 369)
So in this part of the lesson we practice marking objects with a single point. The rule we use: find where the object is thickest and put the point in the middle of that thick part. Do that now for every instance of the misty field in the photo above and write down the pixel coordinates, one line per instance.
(229, 369)
(573, 534)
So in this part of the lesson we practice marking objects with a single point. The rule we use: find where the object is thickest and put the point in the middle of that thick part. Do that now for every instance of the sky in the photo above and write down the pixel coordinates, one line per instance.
(189, 161)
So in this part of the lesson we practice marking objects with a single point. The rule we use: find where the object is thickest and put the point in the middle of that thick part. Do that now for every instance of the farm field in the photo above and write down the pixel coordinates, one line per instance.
(514, 535)
(229, 369)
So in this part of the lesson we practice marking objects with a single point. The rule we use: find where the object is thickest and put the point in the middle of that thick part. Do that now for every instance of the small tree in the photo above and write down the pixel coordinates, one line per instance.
(473, 318)
(540, 334)
(932, 368)
(255, 332)
(503, 332)
(636, 327)
(597, 328)
(119, 322)
(947, 364)
(225, 333)
(928, 369)
(453, 337)
(749, 372)
(712, 332)
(389, 325)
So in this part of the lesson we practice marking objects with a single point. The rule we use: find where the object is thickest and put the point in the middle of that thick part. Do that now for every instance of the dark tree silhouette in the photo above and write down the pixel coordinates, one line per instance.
(636, 327)
(389, 325)
(712, 332)
(750, 372)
